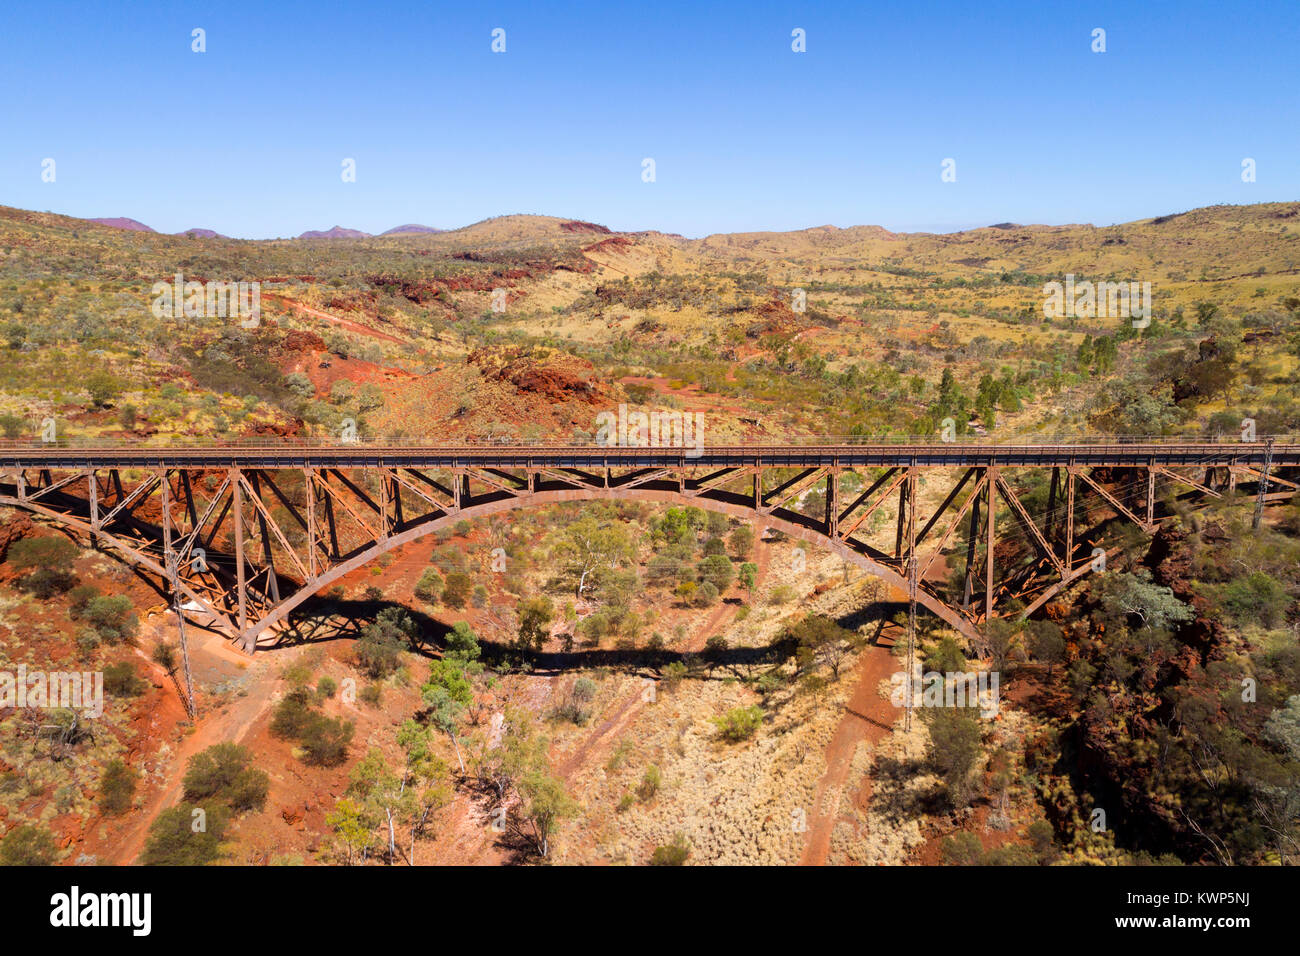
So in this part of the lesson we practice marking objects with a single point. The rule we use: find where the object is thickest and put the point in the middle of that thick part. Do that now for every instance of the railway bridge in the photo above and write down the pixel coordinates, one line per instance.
(242, 533)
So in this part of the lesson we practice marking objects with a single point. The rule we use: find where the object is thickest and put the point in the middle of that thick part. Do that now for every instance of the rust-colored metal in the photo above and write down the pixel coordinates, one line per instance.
(156, 508)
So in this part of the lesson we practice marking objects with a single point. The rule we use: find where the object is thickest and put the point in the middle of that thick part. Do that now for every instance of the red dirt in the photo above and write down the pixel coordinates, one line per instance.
(866, 717)
(334, 319)
(577, 225)
(230, 723)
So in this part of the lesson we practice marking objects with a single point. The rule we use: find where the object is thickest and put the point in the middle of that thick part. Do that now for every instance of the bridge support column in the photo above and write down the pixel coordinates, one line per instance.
(1051, 506)
(241, 582)
(1263, 485)
(912, 585)
(833, 503)
(1151, 495)
(1069, 518)
(988, 546)
(972, 541)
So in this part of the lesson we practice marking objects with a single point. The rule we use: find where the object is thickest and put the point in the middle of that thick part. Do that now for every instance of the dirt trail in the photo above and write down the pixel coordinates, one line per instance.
(866, 717)
(230, 724)
(342, 323)
(628, 709)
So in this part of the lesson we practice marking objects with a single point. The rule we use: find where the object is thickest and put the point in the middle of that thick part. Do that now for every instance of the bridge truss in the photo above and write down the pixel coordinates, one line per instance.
(241, 535)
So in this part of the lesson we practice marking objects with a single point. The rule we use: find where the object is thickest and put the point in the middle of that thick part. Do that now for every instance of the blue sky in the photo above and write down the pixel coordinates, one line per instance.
(248, 138)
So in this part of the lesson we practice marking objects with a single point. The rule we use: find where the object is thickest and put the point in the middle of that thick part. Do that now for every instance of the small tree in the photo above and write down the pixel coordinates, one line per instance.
(427, 773)
(594, 548)
(822, 642)
(741, 541)
(954, 747)
(379, 651)
(355, 835)
(121, 680)
(462, 642)
(103, 388)
(383, 794)
(716, 570)
(946, 657)
(11, 425)
(574, 707)
(545, 803)
(963, 848)
(535, 615)
(1048, 644)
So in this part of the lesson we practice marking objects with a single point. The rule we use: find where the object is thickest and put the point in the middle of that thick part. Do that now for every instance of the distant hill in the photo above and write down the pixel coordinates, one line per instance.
(121, 222)
(200, 233)
(409, 229)
(337, 232)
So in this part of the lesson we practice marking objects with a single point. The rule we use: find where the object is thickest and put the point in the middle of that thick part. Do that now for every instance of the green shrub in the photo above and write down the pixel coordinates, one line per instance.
(456, 589)
(673, 675)
(326, 740)
(103, 387)
(706, 595)
(121, 680)
(47, 553)
(672, 854)
(739, 723)
(1012, 854)
(27, 845)
(87, 643)
(379, 650)
(1256, 598)
(651, 780)
(297, 676)
(946, 657)
(716, 569)
(962, 848)
(222, 772)
(164, 655)
(462, 642)
(81, 596)
(741, 541)
(429, 587)
(180, 837)
(781, 594)
(117, 788)
(292, 715)
(112, 618)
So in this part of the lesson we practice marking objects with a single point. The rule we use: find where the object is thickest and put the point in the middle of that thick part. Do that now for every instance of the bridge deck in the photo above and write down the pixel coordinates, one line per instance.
(291, 454)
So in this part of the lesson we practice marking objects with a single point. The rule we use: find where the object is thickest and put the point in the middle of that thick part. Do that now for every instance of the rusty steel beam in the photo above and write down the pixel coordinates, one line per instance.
(245, 600)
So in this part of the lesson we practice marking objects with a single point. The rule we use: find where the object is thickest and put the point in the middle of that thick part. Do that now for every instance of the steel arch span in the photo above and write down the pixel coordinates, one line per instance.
(243, 535)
